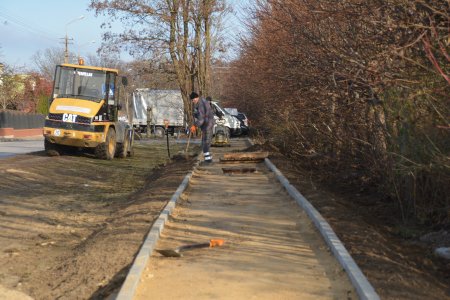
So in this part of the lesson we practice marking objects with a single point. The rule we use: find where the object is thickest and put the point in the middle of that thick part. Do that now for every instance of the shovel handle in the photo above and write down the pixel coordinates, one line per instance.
(211, 244)
(189, 139)
(193, 246)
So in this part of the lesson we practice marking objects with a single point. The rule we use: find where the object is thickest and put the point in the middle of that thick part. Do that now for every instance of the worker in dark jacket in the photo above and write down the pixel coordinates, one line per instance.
(203, 118)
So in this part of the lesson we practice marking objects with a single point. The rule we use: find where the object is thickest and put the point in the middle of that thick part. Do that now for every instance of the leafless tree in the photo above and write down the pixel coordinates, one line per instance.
(181, 28)
(46, 61)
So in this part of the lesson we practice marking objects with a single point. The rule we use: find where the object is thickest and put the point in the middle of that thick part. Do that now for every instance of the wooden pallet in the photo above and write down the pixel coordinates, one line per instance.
(244, 156)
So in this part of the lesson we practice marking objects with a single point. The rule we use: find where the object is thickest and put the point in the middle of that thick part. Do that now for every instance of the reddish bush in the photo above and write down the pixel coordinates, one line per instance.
(358, 89)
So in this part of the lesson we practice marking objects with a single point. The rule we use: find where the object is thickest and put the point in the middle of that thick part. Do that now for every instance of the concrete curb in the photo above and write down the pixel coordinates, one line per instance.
(129, 287)
(357, 278)
(359, 281)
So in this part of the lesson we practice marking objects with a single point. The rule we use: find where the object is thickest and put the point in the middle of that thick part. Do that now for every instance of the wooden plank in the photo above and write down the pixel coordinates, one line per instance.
(244, 156)
(238, 170)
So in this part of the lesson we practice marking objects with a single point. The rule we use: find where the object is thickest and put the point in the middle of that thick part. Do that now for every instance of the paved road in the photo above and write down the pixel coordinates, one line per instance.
(8, 149)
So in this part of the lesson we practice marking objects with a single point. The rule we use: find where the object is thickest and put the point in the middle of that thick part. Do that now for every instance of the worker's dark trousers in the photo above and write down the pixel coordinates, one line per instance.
(206, 143)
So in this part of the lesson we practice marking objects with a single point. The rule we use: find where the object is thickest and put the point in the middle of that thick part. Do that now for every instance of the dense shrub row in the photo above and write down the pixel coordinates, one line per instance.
(357, 89)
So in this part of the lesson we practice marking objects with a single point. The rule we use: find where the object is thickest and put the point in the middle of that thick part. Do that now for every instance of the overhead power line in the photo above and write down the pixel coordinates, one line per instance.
(25, 25)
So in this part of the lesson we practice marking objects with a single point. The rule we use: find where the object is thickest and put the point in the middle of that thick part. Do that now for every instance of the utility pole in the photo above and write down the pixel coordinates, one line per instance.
(66, 49)
(66, 40)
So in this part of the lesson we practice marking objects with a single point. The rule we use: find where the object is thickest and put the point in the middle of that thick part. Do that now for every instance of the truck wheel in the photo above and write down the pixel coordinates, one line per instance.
(159, 132)
(52, 149)
(107, 149)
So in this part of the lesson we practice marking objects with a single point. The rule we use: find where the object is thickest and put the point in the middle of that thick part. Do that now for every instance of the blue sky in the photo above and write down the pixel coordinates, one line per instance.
(27, 26)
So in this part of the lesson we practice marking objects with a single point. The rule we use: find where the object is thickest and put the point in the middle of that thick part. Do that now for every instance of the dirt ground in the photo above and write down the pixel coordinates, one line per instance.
(398, 264)
(271, 249)
(71, 225)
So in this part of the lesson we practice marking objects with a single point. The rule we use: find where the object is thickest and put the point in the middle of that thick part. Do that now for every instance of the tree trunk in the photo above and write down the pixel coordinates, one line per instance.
(207, 4)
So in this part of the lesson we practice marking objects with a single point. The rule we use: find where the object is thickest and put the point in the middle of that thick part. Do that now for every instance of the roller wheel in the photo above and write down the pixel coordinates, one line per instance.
(107, 149)
(123, 148)
(52, 149)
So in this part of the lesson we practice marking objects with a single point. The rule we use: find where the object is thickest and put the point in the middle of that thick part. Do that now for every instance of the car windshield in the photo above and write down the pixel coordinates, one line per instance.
(79, 83)
(218, 108)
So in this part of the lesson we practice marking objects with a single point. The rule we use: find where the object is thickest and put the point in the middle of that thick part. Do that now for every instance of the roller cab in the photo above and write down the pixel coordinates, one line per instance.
(84, 110)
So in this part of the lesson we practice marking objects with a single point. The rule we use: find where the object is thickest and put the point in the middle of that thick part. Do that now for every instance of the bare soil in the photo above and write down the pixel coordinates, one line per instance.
(70, 226)
(395, 258)
(271, 249)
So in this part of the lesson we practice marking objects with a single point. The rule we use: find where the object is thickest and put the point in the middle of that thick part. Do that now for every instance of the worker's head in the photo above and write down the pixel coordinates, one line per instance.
(194, 97)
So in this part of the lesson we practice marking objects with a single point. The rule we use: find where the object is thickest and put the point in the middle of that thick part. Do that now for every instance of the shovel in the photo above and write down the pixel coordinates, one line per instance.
(187, 146)
(177, 251)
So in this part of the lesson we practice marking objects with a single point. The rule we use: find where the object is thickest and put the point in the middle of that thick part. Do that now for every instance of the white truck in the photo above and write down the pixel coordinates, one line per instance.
(154, 108)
